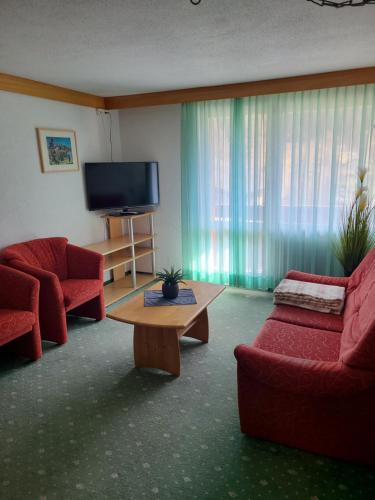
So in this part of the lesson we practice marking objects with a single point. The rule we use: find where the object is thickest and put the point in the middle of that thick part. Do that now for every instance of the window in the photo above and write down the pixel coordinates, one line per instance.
(264, 181)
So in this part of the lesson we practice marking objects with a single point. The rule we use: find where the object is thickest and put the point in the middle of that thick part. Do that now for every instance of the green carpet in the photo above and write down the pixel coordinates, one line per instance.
(82, 423)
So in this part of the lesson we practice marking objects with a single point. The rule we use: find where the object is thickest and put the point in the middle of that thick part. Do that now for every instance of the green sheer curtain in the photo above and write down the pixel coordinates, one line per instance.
(264, 180)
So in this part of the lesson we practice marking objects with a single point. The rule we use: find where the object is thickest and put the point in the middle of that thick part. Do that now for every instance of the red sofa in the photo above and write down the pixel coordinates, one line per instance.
(308, 380)
(71, 280)
(19, 324)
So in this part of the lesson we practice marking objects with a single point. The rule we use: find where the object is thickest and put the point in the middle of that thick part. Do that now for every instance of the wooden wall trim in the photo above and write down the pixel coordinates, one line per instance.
(263, 87)
(19, 85)
(343, 78)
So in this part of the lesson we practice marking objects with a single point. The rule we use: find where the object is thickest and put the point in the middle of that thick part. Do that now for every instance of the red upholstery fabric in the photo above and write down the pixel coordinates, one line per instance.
(321, 407)
(359, 285)
(315, 278)
(54, 261)
(305, 317)
(305, 386)
(84, 264)
(14, 323)
(358, 338)
(45, 253)
(76, 291)
(19, 324)
(363, 270)
(298, 341)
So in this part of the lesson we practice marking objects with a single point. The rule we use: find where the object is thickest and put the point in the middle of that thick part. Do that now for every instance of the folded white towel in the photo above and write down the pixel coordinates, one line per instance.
(313, 296)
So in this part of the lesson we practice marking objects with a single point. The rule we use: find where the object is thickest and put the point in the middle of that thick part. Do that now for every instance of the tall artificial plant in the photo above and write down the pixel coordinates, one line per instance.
(356, 232)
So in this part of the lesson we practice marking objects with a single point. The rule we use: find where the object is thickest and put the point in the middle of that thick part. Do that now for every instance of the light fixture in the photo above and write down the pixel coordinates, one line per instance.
(326, 3)
(342, 3)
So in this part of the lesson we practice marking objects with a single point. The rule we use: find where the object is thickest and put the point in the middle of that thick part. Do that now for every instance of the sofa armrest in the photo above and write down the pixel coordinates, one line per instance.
(302, 376)
(50, 288)
(83, 263)
(18, 290)
(316, 278)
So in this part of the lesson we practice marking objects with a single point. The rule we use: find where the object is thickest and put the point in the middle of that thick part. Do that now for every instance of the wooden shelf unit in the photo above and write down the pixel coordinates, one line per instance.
(122, 251)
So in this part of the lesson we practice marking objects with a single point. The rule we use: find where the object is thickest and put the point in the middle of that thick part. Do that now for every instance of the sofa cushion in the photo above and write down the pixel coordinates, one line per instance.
(298, 341)
(14, 323)
(78, 291)
(356, 296)
(358, 337)
(45, 253)
(364, 269)
(305, 317)
(359, 285)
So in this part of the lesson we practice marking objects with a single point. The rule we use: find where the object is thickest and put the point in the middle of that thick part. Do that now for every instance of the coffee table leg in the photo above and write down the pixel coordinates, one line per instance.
(199, 330)
(157, 348)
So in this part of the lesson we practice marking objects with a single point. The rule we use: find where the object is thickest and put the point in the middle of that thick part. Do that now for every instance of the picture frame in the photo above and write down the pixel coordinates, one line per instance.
(57, 150)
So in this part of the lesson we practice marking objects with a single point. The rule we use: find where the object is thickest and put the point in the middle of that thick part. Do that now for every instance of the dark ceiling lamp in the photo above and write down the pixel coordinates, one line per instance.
(341, 3)
(327, 3)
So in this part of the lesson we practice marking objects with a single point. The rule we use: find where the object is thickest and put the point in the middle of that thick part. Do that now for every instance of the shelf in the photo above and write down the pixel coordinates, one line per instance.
(142, 251)
(122, 257)
(121, 252)
(114, 244)
(140, 238)
(117, 259)
(124, 286)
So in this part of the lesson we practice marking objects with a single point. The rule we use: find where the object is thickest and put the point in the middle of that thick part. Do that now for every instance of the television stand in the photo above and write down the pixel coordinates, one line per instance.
(121, 213)
(131, 240)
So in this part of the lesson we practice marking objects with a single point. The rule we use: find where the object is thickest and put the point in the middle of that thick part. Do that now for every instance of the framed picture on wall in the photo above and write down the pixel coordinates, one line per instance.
(57, 150)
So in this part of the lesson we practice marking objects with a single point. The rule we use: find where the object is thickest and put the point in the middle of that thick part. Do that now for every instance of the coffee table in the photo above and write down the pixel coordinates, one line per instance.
(157, 329)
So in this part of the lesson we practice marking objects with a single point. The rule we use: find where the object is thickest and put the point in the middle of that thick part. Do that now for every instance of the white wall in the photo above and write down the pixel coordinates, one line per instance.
(33, 204)
(154, 134)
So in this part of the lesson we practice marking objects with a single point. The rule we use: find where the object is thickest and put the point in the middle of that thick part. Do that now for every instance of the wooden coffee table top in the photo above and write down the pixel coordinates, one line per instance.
(178, 316)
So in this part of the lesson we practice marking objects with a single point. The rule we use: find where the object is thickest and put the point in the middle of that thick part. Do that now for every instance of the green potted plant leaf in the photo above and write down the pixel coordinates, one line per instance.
(170, 279)
(356, 232)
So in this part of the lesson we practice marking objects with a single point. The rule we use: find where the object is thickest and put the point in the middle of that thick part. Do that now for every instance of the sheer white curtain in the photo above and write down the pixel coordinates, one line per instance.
(264, 181)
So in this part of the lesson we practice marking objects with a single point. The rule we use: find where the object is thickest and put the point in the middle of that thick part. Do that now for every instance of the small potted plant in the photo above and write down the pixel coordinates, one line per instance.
(170, 279)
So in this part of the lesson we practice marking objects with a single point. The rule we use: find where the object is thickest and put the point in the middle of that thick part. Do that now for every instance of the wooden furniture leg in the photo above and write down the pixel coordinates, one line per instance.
(199, 329)
(157, 348)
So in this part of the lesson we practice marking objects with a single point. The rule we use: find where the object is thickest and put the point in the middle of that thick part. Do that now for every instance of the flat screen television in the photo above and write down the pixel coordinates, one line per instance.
(122, 185)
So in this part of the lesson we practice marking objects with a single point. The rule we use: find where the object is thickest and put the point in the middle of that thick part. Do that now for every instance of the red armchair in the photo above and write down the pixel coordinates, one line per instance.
(71, 280)
(308, 380)
(19, 324)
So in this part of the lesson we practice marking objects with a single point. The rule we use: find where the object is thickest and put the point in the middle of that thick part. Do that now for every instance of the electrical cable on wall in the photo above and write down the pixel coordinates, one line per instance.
(103, 112)
(110, 134)
(324, 3)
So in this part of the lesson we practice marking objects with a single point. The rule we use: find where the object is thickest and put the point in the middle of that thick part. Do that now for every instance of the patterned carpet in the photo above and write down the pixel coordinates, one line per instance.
(82, 423)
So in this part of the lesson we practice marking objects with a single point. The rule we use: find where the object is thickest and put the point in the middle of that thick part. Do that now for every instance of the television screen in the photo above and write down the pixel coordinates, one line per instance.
(121, 185)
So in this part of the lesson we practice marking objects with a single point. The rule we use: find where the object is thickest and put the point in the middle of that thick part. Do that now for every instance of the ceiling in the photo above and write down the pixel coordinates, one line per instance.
(114, 47)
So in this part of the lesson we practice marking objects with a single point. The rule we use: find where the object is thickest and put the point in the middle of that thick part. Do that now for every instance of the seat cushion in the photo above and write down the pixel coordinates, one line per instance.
(14, 323)
(298, 341)
(79, 291)
(311, 319)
